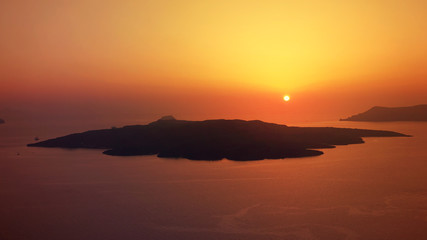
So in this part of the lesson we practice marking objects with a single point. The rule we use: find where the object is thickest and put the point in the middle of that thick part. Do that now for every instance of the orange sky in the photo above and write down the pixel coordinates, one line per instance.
(209, 59)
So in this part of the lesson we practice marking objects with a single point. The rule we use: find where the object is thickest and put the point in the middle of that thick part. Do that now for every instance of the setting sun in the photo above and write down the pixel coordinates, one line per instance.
(162, 119)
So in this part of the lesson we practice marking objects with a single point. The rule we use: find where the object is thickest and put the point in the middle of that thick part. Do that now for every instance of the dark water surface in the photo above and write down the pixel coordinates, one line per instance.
(376, 190)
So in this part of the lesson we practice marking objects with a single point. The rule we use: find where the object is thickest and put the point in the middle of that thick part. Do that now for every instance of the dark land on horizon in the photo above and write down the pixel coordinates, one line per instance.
(214, 139)
(389, 114)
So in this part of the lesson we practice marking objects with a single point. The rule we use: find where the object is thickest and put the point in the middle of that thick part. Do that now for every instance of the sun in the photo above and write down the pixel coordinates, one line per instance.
(286, 98)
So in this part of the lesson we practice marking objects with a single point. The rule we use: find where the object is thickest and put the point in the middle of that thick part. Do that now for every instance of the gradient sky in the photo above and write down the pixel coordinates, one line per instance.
(213, 59)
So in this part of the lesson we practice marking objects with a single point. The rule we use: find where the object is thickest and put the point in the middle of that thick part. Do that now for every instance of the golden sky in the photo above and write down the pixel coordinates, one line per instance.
(215, 58)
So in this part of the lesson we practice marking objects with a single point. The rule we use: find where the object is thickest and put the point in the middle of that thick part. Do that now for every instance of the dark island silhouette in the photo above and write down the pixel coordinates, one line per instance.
(2, 121)
(214, 139)
(388, 114)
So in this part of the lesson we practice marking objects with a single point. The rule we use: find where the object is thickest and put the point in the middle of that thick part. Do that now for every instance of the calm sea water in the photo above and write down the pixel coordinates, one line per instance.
(376, 190)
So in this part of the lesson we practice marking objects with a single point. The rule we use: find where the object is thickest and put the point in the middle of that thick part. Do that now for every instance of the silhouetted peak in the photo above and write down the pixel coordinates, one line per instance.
(167, 118)
(378, 114)
(421, 106)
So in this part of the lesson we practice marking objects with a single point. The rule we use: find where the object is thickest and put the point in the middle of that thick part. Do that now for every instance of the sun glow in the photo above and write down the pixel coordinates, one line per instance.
(286, 98)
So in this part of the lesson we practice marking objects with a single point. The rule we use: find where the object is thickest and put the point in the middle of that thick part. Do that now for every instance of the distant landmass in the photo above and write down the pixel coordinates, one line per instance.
(2, 121)
(385, 114)
(214, 139)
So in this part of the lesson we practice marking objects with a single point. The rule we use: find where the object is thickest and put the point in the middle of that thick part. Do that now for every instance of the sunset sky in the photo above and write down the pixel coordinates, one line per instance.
(213, 58)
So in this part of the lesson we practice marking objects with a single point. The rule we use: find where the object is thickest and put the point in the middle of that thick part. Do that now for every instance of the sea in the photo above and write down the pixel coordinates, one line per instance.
(376, 190)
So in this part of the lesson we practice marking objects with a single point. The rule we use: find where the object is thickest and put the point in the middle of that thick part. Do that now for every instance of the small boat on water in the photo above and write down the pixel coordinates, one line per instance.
(36, 138)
